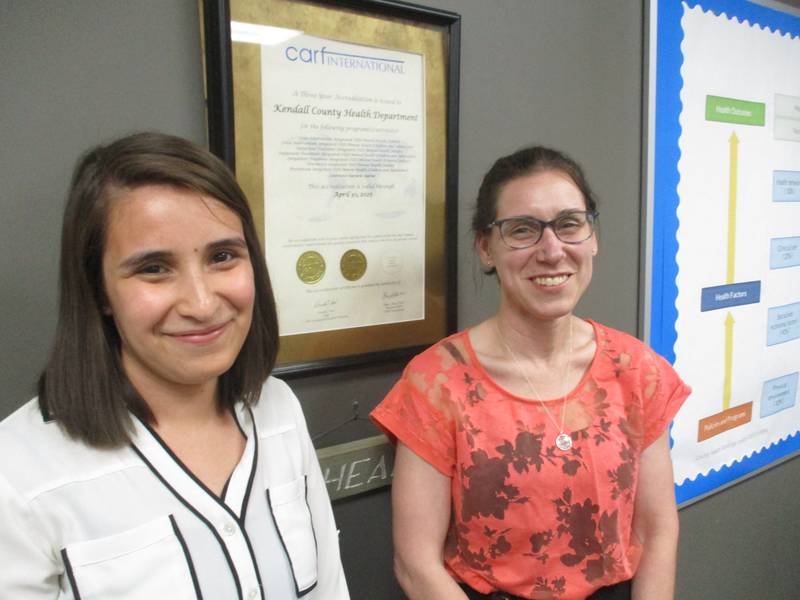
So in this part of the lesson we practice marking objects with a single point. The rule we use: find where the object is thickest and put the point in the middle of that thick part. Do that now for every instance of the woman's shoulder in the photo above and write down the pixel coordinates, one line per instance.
(622, 356)
(29, 427)
(443, 355)
(617, 342)
(38, 455)
(277, 406)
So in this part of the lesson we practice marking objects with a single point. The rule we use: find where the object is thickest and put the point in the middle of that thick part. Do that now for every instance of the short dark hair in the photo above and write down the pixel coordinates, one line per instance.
(83, 386)
(527, 161)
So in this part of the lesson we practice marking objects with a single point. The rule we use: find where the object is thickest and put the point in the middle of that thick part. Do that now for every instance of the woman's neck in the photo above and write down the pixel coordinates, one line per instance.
(533, 339)
(185, 407)
(207, 440)
(174, 403)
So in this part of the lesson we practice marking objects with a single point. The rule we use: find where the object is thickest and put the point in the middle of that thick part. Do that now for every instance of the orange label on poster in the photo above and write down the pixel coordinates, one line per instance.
(727, 419)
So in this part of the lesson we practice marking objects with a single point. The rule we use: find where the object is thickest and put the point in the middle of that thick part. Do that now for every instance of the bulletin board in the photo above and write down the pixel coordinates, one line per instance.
(723, 257)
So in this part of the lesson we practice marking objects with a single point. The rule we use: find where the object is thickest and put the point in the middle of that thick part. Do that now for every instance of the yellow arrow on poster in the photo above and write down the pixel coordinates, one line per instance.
(726, 389)
(734, 158)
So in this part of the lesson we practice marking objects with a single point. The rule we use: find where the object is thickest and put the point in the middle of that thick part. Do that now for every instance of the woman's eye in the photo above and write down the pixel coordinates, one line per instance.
(570, 223)
(522, 229)
(152, 269)
(223, 256)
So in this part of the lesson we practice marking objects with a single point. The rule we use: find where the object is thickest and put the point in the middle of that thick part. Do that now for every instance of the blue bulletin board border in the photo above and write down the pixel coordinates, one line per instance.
(664, 268)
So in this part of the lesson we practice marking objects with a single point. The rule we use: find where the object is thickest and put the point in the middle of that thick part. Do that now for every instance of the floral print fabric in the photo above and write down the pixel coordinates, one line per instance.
(528, 518)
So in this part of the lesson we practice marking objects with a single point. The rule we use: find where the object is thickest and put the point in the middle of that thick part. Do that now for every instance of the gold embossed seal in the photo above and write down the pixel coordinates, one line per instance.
(310, 266)
(353, 264)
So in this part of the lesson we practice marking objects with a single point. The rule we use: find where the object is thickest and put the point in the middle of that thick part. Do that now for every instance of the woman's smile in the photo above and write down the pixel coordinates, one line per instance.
(201, 337)
(549, 281)
(179, 285)
(543, 281)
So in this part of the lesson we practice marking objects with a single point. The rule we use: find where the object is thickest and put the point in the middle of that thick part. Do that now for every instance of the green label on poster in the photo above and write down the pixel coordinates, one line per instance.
(731, 110)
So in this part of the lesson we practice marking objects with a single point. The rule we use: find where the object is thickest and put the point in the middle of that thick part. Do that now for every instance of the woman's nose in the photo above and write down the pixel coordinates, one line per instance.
(549, 248)
(197, 297)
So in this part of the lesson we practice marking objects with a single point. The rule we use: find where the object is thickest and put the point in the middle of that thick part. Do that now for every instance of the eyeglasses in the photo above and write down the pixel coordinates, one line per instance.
(572, 227)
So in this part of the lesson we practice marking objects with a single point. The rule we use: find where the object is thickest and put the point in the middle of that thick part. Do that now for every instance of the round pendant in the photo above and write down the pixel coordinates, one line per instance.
(563, 441)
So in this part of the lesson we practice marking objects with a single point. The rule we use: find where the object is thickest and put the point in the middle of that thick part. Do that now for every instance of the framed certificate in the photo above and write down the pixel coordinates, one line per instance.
(340, 120)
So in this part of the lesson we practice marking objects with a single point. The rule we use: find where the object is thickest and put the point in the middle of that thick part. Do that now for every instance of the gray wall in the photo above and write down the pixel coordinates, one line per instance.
(565, 73)
(73, 74)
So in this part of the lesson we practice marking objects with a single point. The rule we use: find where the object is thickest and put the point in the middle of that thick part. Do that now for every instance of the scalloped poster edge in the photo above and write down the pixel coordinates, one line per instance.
(676, 201)
(752, 15)
(706, 483)
(664, 300)
(749, 456)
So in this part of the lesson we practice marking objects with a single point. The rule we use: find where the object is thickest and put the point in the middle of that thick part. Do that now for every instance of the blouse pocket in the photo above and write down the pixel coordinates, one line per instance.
(149, 561)
(292, 517)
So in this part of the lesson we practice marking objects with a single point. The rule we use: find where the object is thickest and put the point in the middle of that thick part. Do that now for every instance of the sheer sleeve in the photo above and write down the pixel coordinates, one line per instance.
(420, 413)
(664, 392)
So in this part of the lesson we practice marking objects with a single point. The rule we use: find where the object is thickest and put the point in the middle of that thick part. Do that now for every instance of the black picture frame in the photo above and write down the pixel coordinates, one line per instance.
(219, 73)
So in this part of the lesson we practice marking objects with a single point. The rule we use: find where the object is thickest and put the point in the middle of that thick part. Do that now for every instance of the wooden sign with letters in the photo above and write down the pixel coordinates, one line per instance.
(357, 467)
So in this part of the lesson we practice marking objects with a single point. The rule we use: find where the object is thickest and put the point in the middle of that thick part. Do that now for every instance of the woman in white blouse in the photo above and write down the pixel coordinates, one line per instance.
(160, 459)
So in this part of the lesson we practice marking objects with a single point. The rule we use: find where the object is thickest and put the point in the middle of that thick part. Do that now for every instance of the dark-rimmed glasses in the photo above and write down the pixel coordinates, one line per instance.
(573, 227)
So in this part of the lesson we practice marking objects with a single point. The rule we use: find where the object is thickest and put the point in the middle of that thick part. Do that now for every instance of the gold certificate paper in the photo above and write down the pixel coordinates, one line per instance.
(344, 180)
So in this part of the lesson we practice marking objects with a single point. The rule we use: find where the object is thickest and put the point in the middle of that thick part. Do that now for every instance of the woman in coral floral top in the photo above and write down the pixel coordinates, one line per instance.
(533, 453)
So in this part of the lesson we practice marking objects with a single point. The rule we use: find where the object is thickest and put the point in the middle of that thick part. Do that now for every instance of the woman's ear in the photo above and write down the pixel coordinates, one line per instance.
(482, 247)
(105, 305)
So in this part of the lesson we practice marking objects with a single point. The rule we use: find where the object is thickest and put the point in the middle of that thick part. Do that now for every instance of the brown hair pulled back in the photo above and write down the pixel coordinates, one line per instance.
(527, 161)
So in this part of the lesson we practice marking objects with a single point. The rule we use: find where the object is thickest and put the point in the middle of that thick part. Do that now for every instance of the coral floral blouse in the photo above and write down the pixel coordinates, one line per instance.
(530, 519)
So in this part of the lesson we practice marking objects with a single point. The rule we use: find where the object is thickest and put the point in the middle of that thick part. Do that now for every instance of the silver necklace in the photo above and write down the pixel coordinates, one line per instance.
(563, 440)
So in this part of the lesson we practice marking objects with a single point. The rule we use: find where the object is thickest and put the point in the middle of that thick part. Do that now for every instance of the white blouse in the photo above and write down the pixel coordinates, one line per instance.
(133, 523)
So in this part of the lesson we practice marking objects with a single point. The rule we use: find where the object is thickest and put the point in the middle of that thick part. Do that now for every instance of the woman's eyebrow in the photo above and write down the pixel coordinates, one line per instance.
(236, 242)
(559, 214)
(140, 258)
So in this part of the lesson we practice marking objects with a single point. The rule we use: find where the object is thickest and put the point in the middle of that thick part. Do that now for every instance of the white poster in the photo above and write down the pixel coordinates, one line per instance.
(344, 182)
(738, 258)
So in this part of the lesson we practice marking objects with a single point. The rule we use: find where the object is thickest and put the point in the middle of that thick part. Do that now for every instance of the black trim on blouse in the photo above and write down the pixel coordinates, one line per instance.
(298, 592)
(283, 543)
(314, 533)
(70, 574)
(186, 469)
(225, 487)
(254, 467)
(188, 557)
(246, 500)
(199, 515)
(217, 499)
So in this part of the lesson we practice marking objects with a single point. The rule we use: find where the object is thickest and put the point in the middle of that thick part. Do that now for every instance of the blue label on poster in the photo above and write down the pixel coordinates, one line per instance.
(778, 394)
(783, 324)
(735, 294)
(784, 252)
(786, 186)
